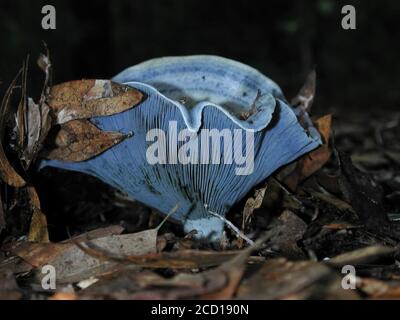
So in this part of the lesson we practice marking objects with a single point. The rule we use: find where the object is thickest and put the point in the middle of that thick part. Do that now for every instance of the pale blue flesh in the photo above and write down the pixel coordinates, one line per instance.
(199, 92)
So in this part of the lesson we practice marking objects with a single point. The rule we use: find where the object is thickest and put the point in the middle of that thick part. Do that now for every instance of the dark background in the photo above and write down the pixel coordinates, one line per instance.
(283, 39)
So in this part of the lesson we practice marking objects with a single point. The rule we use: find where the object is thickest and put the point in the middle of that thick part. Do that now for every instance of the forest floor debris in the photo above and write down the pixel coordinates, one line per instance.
(337, 206)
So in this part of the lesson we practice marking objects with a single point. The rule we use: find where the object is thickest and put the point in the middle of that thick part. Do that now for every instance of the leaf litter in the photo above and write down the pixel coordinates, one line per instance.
(289, 239)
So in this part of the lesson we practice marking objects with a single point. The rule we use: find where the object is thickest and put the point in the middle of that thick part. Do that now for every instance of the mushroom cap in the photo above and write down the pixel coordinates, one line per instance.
(195, 93)
(225, 82)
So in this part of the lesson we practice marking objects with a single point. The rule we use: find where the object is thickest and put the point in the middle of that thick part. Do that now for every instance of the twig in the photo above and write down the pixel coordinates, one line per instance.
(289, 193)
(170, 213)
(235, 229)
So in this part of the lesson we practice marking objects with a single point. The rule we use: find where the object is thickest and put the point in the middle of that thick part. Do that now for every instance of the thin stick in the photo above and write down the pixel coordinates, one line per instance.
(288, 192)
(172, 211)
(235, 229)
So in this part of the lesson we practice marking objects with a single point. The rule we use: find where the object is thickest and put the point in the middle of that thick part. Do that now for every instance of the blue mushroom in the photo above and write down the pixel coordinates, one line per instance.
(209, 130)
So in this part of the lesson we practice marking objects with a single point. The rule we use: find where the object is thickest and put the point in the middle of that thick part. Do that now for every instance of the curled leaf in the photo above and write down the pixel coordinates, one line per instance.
(251, 204)
(32, 120)
(38, 228)
(37, 124)
(7, 172)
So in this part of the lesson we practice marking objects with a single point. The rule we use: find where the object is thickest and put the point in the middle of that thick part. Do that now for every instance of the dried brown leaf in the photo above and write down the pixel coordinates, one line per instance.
(38, 124)
(78, 262)
(38, 254)
(97, 233)
(251, 204)
(38, 228)
(46, 120)
(73, 264)
(80, 140)
(32, 125)
(32, 121)
(316, 159)
(7, 172)
(83, 99)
